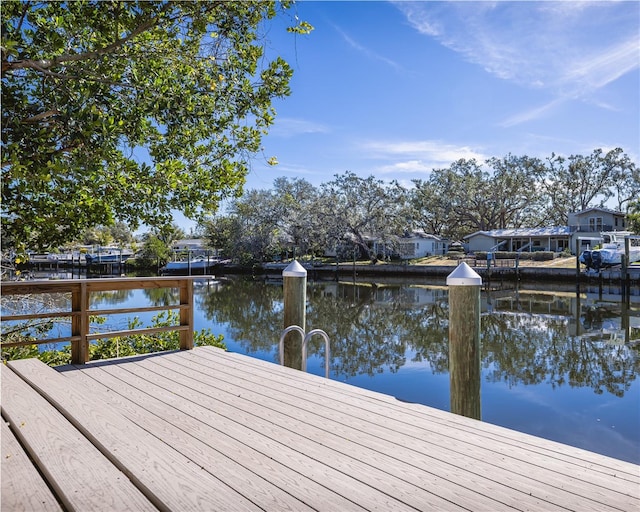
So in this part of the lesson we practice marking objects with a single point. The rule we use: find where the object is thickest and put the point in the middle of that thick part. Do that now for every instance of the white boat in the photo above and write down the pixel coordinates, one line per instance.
(199, 262)
(610, 253)
(109, 256)
(194, 263)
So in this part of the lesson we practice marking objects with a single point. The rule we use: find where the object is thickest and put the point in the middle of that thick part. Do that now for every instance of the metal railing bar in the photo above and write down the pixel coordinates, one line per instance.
(305, 341)
(307, 338)
(289, 329)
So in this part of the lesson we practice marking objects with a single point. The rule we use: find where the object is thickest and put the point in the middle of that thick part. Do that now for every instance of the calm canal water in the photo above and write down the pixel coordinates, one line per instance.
(556, 364)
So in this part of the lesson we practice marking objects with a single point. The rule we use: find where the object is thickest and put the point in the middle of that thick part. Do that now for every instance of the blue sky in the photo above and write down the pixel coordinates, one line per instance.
(395, 89)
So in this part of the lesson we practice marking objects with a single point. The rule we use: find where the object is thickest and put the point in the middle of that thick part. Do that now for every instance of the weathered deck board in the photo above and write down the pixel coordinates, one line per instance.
(379, 429)
(158, 411)
(82, 478)
(348, 447)
(440, 421)
(206, 429)
(299, 382)
(382, 423)
(169, 479)
(248, 438)
(18, 473)
(522, 447)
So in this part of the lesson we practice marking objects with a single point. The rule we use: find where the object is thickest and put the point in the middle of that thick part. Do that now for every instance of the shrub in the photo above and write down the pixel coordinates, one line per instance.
(510, 255)
(543, 256)
(121, 346)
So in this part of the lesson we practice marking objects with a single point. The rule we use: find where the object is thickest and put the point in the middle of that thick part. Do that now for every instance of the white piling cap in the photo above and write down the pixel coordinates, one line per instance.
(464, 275)
(294, 270)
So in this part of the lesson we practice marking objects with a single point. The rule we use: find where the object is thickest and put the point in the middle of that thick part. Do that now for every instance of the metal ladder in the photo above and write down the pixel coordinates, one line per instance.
(305, 341)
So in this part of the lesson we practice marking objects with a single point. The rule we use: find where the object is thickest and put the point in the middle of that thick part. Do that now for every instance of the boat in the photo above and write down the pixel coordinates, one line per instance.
(610, 253)
(198, 262)
(193, 263)
(109, 256)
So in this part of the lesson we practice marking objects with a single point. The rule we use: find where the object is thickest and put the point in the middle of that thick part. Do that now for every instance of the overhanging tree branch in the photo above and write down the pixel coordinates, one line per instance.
(43, 65)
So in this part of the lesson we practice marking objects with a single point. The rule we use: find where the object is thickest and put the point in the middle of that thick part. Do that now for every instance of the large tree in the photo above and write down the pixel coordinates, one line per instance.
(126, 110)
(514, 192)
(359, 211)
(633, 217)
(264, 224)
(305, 228)
(458, 198)
(429, 209)
(578, 182)
(250, 232)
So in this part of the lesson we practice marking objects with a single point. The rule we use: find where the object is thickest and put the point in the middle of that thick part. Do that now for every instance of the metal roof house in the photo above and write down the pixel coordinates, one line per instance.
(521, 239)
(586, 226)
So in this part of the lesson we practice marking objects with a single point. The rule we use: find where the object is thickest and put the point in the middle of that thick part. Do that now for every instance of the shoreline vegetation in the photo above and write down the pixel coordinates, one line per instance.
(559, 269)
(542, 266)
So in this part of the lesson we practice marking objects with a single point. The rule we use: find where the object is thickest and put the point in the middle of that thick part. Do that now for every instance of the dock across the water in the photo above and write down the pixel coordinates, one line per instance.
(210, 430)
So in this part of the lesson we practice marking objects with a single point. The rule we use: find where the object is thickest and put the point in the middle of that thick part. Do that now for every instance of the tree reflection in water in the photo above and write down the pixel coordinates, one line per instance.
(527, 339)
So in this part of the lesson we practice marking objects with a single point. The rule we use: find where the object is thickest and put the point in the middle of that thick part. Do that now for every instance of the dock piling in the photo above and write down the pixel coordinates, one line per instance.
(295, 305)
(464, 340)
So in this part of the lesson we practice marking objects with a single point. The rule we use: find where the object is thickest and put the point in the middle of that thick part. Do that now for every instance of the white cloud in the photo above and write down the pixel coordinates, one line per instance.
(416, 157)
(601, 68)
(432, 150)
(290, 127)
(410, 166)
(533, 113)
(366, 51)
(569, 48)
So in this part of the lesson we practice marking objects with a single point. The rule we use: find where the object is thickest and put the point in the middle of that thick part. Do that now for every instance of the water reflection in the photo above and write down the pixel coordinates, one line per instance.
(110, 298)
(527, 337)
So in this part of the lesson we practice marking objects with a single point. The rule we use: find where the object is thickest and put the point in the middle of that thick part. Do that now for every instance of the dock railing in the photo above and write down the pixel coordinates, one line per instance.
(80, 312)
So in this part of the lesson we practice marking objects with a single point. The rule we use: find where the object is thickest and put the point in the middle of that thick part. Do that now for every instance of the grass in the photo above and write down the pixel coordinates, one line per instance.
(561, 262)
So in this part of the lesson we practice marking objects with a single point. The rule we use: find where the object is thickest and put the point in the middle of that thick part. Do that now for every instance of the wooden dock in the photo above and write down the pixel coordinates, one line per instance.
(209, 430)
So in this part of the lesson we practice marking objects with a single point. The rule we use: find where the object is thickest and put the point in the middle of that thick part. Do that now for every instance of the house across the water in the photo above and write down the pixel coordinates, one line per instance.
(521, 239)
(418, 244)
(585, 226)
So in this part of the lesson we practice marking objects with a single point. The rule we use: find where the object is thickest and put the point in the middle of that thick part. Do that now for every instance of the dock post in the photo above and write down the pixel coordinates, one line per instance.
(464, 341)
(577, 259)
(623, 276)
(626, 278)
(295, 306)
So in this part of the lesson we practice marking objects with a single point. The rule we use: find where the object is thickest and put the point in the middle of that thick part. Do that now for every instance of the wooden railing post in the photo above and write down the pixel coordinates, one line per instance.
(80, 323)
(186, 314)
(80, 311)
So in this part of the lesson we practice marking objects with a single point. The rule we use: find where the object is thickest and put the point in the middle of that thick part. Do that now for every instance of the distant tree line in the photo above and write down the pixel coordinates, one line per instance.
(296, 218)
(467, 196)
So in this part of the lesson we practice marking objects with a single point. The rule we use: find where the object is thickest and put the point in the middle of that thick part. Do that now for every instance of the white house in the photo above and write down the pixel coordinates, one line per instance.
(588, 225)
(418, 244)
